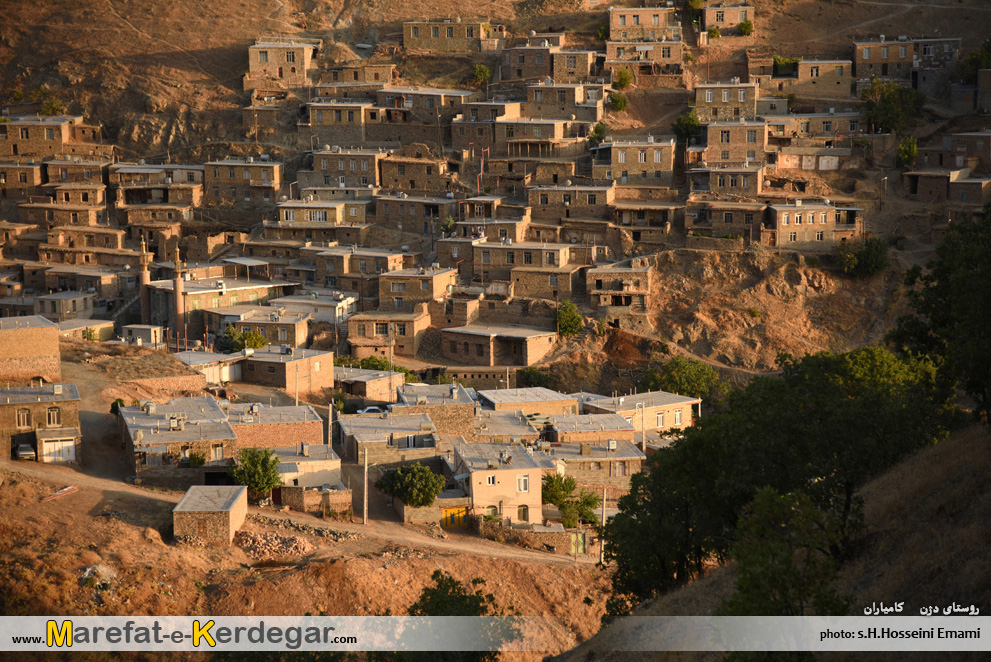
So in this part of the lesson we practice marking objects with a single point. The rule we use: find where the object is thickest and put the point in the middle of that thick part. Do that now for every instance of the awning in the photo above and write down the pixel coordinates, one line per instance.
(246, 261)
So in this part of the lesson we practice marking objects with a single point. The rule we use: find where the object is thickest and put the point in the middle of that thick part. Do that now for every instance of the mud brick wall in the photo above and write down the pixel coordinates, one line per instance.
(713, 243)
(30, 353)
(432, 513)
(560, 541)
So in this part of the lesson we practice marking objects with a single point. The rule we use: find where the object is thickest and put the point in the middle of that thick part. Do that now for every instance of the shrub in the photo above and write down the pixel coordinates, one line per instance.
(623, 79)
(531, 376)
(619, 103)
(447, 225)
(197, 459)
(754, 311)
(52, 107)
(686, 126)
(602, 32)
(714, 33)
(569, 320)
(258, 468)
(908, 152)
(746, 28)
(480, 73)
(597, 135)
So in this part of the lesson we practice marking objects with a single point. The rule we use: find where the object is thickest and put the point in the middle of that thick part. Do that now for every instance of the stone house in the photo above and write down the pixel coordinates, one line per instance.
(344, 168)
(45, 417)
(61, 135)
(502, 480)
(248, 180)
(378, 333)
(635, 160)
(726, 15)
(726, 217)
(450, 406)
(560, 202)
(726, 101)
(281, 62)
(20, 180)
(355, 269)
(491, 345)
(932, 184)
(211, 513)
(496, 261)
(404, 289)
(594, 429)
(533, 400)
(453, 36)
(83, 168)
(622, 288)
(420, 214)
(417, 173)
(644, 58)
(924, 63)
(289, 368)
(371, 385)
(747, 182)
(60, 306)
(359, 73)
(643, 24)
(275, 324)
(387, 438)
(551, 99)
(959, 150)
(595, 465)
(654, 411)
(813, 224)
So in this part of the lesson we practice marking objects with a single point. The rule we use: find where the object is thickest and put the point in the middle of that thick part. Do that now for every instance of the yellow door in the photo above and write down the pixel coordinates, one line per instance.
(454, 518)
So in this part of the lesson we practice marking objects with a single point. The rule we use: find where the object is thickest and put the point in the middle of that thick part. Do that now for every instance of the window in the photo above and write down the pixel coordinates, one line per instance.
(728, 217)
(49, 134)
(854, 125)
(720, 16)
(743, 15)
(677, 417)
(636, 19)
(523, 483)
(471, 33)
(902, 52)
(884, 52)
(263, 56)
(751, 135)
(510, 257)
(643, 156)
(283, 334)
(290, 56)
(724, 155)
(271, 368)
(509, 131)
(724, 136)
(655, 19)
(561, 96)
(571, 61)
(927, 50)
(381, 328)
(822, 218)
(708, 96)
(751, 156)
(798, 219)
(527, 257)
(743, 95)
(25, 134)
(552, 280)
(217, 452)
(820, 236)
(416, 32)
(784, 219)
(54, 417)
(450, 33)
(490, 480)
(665, 52)
(400, 328)
(793, 236)
(591, 198)
(485, 257)
(622, 20)
(621, 157)
(827, 126)
(867, 53)
(725, 96)
(838, 71)
(435, 32)
(23, 418)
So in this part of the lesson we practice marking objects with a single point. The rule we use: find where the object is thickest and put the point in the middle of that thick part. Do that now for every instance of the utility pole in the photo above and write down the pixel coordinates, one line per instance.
(364, 492)
(602, 540)
(296, 373)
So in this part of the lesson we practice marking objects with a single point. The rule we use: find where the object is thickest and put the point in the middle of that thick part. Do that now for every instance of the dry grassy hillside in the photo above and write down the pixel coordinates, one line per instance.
(928, 535)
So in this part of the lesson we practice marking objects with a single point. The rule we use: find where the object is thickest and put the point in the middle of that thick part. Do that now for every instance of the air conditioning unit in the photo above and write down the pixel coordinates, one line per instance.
(255, 408)
(57, 389)
(611, 444)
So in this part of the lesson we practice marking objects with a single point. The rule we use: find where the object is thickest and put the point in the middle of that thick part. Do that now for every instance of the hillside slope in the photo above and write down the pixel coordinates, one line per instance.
(927, 541)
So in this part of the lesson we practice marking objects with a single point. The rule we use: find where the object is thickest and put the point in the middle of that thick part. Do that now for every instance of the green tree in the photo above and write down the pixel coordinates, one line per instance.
(746, 28)
(684, 376)
(569, 320)
(480, 73)
(232, 340)
(619, 102)
(623, 80)
(714, 33)
(784, 562)
(890, 107)
(560, 491)
(602, 32)
(597, 135)
(116, 405)
(52, 106)
(872, 258)
(828, 424)
(447, 225)
(532, 376)
(974, 62)
(686, 126)
(952, 310)
(908, 152)
(258, 469)
(413, 484)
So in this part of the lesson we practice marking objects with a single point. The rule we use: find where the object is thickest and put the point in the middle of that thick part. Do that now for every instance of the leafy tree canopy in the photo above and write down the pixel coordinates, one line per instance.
(569, 321)
(560, 491)
(258, 468)
(952, 318)
(623, 79)
(891, 107)
(413, 484)
(684, 376)
(686, 126)
(233, 340)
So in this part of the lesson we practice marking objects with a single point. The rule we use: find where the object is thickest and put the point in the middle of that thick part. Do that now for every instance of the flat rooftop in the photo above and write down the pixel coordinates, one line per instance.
(26, 322)
(210, 498)
(346, 374)
(520, 395)
(630, 402)
(46, 393)
(385, 423)
(433, 394)
(590, 423)
(241, 414)
(506, 424)
(495, 331)
(477, 457)
(276, 356)
(573, 452)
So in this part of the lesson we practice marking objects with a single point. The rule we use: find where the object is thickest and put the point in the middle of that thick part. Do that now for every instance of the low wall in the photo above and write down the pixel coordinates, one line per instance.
(428, 514)
(556, 542)
(316, 502)
(713, 243)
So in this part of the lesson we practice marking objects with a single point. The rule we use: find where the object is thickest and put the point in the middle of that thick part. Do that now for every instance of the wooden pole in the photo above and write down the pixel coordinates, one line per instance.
(364, 517)
(602, 540)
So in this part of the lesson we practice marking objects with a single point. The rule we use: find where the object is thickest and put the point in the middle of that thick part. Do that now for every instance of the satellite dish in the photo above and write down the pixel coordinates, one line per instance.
(138, 436)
